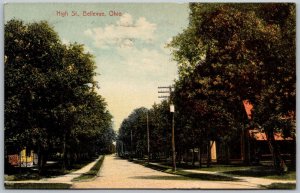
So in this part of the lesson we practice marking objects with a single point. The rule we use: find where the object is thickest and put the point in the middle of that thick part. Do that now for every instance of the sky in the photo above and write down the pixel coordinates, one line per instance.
(127, 40)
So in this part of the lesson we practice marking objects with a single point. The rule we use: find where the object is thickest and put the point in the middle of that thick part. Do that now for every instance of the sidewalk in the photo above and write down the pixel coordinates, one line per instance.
(66, 179)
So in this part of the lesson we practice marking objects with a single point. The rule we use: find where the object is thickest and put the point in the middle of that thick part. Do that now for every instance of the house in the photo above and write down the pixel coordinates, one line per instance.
(23, 159)
(252, 146)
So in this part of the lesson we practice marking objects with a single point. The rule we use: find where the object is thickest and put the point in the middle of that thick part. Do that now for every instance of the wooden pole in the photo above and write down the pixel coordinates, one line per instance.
(173, 144)
(148, 138)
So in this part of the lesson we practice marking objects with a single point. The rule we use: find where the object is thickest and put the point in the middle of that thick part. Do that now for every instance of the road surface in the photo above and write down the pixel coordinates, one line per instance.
(118, 173)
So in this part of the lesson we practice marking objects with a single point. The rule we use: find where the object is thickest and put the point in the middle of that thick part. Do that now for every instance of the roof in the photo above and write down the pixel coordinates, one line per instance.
(248, 107)
(261, 136)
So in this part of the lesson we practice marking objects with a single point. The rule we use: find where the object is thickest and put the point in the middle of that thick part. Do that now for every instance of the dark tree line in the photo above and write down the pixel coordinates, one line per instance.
(51, 105)
(132, 137)
(229, 54)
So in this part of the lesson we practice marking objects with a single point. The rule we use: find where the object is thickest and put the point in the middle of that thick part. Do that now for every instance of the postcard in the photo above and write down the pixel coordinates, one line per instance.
(150, 95)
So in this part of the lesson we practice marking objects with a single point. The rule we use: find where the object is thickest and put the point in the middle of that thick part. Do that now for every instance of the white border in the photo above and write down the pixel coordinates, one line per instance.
(2, 189)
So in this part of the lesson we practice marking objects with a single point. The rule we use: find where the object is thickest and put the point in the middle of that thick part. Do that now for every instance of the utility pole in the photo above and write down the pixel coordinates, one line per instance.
(148, 138)
(172, 110)
(131, 148)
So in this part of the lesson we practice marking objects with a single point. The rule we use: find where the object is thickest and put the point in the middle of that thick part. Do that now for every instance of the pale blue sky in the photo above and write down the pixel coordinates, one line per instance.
(129, 49)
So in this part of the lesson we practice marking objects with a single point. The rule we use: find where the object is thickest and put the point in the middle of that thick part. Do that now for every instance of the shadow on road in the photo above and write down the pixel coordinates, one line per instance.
(156, 177)
(209, 177)
(189, 176)
(118, 158)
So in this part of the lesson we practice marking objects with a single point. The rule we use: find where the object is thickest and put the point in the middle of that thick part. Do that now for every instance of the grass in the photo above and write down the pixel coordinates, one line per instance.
(259, 171)
(189, 175)
(262, 172)
(223, 168)
(208, 177)
(23, 176)
(291, 175)
(50, 171)
(37, 186)
(224, 172)
(92, 172)
(283, 186)
(28, 175)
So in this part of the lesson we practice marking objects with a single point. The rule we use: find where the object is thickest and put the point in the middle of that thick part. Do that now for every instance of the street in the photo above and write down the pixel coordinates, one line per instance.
(118, 173)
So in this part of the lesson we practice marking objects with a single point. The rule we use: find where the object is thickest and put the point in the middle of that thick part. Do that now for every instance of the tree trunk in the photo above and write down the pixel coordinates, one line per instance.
(63, 165)
(208, 154)
(278, 163)
(200, 156)
(245, 147)
(40, 160)
(68, 160)
(293, 154)
(179, 156)
(193, 157)
(228, 154)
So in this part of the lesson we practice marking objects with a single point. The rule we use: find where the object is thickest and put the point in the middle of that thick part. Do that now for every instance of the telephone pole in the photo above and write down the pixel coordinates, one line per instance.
(131, 147)
(172, 110)
(148, 138)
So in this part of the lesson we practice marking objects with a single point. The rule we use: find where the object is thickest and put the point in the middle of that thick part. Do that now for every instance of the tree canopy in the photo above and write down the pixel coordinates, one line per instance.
(51, 105)
(230, 53)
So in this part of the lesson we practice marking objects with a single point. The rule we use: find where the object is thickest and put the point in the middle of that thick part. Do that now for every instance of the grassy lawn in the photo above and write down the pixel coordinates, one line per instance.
(209, 177)
(188, 175)
(52, 170)
(231, 171)
(261, 172)
(93, 171)
(37, 186)
(223, 168)
(280, 186)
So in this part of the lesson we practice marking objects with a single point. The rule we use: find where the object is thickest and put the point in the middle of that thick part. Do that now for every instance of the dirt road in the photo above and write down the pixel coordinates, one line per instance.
(117, 173)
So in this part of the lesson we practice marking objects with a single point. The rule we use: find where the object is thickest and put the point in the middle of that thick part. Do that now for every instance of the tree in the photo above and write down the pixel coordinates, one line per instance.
(133, 133)
(234, 52)
(159, 120)
(28, 50)
(160, 130)
(50, 101)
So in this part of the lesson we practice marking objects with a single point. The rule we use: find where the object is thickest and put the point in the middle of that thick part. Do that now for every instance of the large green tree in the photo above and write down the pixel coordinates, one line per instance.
(235, 52)
(51, 105)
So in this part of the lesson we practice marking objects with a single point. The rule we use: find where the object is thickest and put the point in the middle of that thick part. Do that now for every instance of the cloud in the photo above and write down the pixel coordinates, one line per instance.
(125, 20)
(145, 60)
(123, 33)
(164, 46)
(65, 41)
(87, 49)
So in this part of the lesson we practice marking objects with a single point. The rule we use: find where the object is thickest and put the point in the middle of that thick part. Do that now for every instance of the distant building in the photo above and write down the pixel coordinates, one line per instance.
(23, 159)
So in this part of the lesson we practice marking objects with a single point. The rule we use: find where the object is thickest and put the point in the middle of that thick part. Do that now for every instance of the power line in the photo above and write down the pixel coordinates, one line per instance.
(172, 110)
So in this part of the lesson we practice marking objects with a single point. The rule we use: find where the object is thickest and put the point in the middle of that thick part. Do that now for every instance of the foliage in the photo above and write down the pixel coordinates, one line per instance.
(51, 105)
(159, 123)
(133, 132)
(235, 52)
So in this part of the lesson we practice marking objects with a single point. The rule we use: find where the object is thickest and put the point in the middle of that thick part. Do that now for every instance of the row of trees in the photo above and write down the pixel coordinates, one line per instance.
(132, 138)
(229, 54)
(51, 105)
